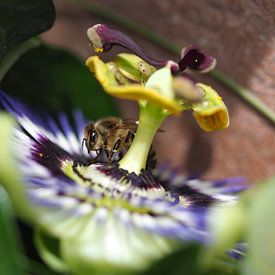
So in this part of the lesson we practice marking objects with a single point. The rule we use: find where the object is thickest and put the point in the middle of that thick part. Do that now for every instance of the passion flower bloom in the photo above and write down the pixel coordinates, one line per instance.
(104, 217)
(118, 217)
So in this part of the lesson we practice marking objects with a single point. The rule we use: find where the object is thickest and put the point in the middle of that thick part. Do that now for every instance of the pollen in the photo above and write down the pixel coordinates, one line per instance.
(41, 155)
(98, 50)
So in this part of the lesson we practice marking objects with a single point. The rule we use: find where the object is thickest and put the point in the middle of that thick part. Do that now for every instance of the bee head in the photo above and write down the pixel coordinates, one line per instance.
(90, 137)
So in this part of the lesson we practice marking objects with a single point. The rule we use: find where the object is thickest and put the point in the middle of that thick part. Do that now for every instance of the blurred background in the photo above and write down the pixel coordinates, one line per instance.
(240, 34)
(52, 77)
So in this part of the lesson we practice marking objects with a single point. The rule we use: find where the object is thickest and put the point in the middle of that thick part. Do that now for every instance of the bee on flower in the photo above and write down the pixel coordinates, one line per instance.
(121, 214)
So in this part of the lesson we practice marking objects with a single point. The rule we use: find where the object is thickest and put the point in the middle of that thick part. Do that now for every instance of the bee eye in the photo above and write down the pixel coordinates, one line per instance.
(93, 136)
(117, 144)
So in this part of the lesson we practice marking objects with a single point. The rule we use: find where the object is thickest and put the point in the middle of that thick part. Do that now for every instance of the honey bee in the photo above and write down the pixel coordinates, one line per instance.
(110, 135)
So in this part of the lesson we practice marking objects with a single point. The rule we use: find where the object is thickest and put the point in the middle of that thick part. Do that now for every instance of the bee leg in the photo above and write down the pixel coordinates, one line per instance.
(92, 160)
(129, 138)
(110, 156)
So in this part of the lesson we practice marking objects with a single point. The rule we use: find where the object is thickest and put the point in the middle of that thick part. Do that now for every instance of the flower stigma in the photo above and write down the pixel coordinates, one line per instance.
(160, 88)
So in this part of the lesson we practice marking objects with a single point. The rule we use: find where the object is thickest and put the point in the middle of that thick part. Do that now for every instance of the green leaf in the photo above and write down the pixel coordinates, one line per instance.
(52, 79)
(34, 267)
(12, 56)
(227, 226)
(10, 247)
(184, 261)
(261, 230)
(189, 261)
(23, 19)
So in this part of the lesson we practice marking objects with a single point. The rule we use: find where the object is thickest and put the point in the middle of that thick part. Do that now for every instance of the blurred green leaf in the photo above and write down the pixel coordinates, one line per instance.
(184, 261)
(12, 56)
(37, 268)
(11, 261)
(23, 19)
(188, 261)
(261, 230)
(54, 80)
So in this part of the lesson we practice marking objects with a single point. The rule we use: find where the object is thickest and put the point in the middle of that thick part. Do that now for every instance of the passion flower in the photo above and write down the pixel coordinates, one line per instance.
(105, 216)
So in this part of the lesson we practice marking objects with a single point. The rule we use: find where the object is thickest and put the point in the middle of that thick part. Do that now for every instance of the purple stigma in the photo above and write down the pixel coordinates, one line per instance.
(103, 39)
(193, 58)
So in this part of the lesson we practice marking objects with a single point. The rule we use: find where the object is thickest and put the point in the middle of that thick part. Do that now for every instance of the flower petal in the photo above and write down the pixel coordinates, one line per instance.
(109, 246)
(69, 193)
(197, 192)
(49, 252)
(104, 217)
(8, 173)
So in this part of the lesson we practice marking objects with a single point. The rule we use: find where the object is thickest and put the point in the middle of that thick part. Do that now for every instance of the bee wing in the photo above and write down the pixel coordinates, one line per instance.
(128, 124)
(132, 125)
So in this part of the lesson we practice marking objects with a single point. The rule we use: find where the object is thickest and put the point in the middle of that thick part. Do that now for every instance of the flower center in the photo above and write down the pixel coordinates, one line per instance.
(111, 187)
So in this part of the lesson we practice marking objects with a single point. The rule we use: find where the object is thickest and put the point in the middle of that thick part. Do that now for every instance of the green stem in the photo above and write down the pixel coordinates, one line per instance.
(150, 119)
(133, 27)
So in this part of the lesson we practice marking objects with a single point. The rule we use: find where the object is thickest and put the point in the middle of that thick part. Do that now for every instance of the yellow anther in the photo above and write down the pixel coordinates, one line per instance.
(98, 50)
(217, 120)
(211, 114)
